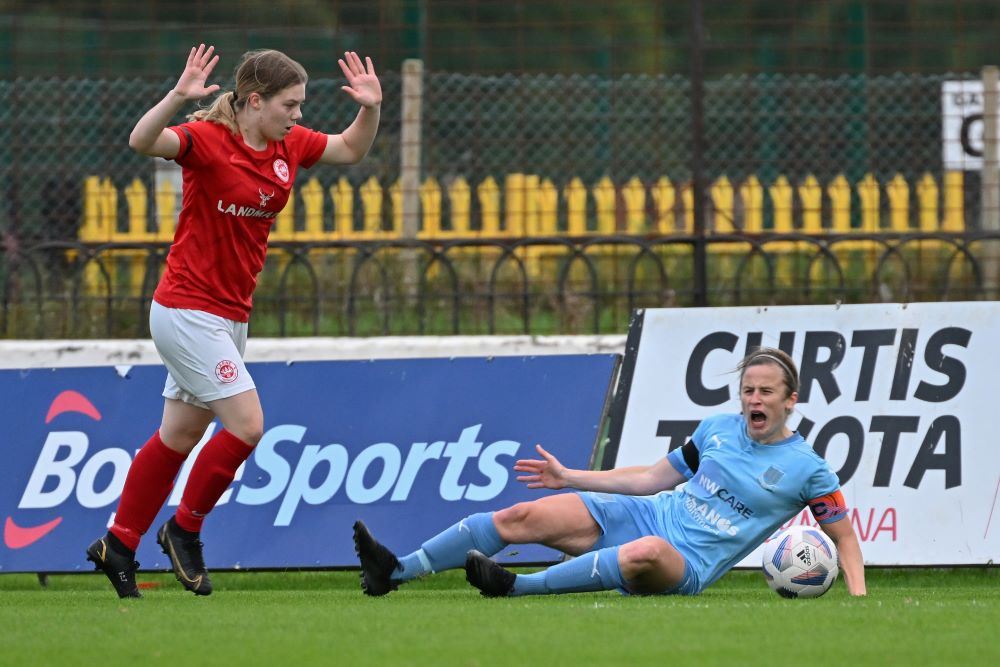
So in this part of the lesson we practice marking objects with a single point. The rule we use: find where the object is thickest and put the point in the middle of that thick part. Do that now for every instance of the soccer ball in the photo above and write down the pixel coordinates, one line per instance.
(800, 562)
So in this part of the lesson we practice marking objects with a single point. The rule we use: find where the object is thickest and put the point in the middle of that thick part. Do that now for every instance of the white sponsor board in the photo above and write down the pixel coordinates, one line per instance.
(900, 399)
(962, 125)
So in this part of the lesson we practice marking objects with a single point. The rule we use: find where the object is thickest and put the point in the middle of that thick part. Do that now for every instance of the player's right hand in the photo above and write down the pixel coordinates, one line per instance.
(200, 63)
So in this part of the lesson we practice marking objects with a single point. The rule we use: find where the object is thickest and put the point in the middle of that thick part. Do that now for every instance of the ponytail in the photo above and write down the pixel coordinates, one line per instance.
(221, 111)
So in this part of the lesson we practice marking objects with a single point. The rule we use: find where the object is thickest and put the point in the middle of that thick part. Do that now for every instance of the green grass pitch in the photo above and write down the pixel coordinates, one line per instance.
(910, 617)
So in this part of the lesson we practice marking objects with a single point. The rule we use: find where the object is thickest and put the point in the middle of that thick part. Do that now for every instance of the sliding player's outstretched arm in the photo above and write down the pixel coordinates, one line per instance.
(549, 473)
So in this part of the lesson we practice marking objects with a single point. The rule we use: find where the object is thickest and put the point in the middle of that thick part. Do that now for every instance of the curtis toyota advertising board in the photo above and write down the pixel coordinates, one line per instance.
(899, 399)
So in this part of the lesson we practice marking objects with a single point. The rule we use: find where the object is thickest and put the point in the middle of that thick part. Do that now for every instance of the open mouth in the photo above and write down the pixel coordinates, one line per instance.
(757, 419)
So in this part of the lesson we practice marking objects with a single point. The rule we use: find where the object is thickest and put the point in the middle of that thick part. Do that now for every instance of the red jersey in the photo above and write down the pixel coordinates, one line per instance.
(231, 196)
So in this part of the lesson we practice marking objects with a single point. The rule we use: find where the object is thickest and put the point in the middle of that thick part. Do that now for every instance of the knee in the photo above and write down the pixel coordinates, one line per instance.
(644, 554)
(508, 521)
(250, 433)
(249, 427)
(181, 438)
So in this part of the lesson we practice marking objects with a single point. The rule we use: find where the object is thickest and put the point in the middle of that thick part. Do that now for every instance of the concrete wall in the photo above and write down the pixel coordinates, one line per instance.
(68, 353)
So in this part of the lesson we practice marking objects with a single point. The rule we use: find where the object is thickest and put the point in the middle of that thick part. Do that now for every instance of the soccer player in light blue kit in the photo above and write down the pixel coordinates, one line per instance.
(747, 474)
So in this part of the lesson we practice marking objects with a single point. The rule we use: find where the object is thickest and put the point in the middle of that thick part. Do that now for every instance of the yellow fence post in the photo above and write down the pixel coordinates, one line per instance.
(312, 205)
(575, 194)
(489, 206)
(284, 223)
(811, 196)
(687, 209)
(897, 191)
(396, 196)
(664, 198)
(514, 201)
(430, 201)
(138, 210)
(460, 197)
(723, 200)
(782, 194)
(166, 211)
(781, 201)
(870, 201)
(137, 202)
(90, 230)
(371, 205)
(108, 209)
(954, 202)
(604, 201)
(548, 208)
(752, 196)
(634, 196)
(530, 205)
(342, 196)
(839, 192)
(927, 196)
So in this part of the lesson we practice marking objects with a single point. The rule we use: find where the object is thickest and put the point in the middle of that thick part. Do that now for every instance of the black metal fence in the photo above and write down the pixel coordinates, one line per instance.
(483, 286)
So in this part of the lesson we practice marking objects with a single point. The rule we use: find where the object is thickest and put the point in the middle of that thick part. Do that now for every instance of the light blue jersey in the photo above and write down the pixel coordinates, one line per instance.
(739, 494)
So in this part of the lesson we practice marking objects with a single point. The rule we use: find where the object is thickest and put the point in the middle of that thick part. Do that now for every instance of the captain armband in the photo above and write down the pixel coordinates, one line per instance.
(829, 508)
(691, 457)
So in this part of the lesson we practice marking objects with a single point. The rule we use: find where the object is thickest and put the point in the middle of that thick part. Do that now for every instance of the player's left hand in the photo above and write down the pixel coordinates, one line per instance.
(544, 473)
(362, 84)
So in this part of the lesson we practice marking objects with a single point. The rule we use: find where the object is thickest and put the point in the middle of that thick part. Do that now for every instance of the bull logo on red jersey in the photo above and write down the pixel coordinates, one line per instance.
(281, 170)
(227, 371)
(264, 198)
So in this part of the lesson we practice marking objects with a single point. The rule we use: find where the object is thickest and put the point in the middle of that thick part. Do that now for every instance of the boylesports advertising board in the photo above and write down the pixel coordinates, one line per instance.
(901, 400)
(410, 446)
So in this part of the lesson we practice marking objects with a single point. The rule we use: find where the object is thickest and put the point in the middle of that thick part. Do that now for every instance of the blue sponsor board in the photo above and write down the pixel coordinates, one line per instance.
(410, 446)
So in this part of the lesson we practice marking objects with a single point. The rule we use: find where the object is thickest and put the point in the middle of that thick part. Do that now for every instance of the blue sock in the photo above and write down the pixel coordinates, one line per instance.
(448, 549)
(593, 571)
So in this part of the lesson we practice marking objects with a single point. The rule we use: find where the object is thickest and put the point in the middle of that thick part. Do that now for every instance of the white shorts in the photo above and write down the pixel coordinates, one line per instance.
(203, 354)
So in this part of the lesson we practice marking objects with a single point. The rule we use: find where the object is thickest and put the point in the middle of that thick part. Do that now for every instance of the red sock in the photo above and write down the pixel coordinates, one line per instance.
(211, 475)
(147, 485)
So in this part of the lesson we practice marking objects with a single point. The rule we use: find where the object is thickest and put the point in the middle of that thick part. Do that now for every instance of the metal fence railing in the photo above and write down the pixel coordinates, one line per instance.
(491, 286)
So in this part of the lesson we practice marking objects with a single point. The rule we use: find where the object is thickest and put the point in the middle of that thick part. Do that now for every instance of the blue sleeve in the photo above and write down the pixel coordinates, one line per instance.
(677, 457)
(822, 482)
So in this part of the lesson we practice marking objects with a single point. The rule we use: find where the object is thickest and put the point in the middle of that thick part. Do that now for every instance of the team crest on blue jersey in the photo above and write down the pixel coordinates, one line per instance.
(770, 478)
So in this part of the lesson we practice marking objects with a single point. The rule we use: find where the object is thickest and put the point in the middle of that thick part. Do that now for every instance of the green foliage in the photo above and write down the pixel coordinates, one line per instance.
(648, 36)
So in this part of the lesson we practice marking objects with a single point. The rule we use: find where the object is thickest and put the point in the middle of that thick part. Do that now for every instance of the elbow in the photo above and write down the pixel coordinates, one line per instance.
(356, 153)
(139, 144)
(136, 144)
(355, 156)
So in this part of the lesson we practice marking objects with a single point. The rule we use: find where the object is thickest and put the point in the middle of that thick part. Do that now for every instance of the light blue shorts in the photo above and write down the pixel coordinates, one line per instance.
(625, 519)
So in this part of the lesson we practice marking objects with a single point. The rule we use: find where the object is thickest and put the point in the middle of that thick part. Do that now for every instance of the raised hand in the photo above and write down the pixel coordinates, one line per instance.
(547, 473)
(200, 63)
(362, 84)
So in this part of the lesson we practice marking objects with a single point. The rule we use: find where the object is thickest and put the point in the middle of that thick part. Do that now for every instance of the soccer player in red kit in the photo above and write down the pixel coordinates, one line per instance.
(239, 158)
